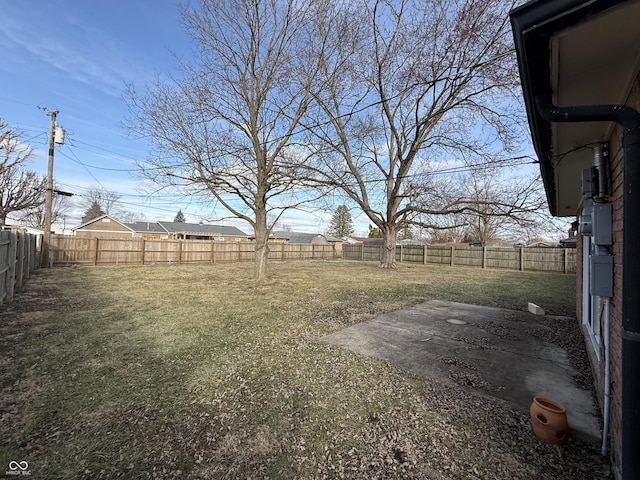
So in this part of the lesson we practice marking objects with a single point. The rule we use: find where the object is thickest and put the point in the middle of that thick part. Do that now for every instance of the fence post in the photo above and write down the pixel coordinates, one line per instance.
(424, 254)
(484, 256)
(143, 248)
(180, 252)
(362, 252)
(28, 252)
(29, 246)
(213, 252)
(565, 263)
(20, 260)
(453, 254)
(27, 255)
(521, 259)
(95, 253)
(401, 252)
(11, 272)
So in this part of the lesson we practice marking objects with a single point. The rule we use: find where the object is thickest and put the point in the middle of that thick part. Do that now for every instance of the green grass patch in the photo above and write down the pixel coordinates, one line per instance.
(201, 372)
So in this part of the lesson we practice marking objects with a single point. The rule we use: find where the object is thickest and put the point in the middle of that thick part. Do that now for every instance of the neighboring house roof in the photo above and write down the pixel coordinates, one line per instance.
(569, 241)
(573, 53)
(351, 240)
(332, 239)
(33, 230)
(172, 227)
(151, 227)
(539, 244)
(297, 237)
(201, 229)
(282, 235)
(99, 219)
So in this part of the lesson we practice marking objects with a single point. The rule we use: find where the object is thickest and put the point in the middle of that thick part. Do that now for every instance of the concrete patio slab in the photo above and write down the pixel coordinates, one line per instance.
(506, 354)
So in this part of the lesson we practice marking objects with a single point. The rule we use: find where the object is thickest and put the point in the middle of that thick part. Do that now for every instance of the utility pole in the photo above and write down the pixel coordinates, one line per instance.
(48, 199)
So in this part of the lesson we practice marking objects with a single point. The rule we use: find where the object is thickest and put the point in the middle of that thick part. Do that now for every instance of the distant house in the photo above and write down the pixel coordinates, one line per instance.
(539, 245)
(301, 237)
(198, 231)
(9, 225)
(104, 226)
(569, 242)
(356, 240)
(148, 230)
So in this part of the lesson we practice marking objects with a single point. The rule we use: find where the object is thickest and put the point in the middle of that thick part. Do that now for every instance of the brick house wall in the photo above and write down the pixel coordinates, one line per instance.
(616, 182)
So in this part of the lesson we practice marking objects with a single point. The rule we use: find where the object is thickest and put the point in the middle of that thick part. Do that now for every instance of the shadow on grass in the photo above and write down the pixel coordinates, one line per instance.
(196, 372)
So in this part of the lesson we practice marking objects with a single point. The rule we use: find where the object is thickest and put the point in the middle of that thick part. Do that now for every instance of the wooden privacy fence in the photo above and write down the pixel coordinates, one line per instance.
(17, 261)
(67, 250)
(521, 258)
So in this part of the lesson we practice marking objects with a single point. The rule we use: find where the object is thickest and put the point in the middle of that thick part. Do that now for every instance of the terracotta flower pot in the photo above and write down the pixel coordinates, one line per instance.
(549, 420)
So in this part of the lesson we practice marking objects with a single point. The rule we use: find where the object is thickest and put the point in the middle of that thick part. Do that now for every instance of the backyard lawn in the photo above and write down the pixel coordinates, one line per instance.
(200, 372)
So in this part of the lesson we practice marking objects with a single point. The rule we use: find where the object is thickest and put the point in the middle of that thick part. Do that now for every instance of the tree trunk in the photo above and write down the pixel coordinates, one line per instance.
(388, 257)
(262, 254)
(262, 247)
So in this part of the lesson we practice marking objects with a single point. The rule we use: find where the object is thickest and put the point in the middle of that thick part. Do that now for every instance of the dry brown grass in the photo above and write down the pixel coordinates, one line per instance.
(200, 372)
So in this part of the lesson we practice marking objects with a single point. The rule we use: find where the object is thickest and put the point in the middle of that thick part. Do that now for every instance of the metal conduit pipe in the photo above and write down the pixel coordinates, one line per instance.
(604, 449)
(629, 119)
(599, 162)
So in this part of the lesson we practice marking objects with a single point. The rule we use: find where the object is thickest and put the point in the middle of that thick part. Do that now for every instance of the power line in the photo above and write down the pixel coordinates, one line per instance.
(77, 160)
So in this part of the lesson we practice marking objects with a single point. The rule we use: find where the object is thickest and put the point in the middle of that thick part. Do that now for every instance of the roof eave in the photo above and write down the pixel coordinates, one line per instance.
(533, 25)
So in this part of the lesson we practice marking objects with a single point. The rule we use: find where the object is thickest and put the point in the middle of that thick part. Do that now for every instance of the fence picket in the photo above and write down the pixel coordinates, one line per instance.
(17, 258)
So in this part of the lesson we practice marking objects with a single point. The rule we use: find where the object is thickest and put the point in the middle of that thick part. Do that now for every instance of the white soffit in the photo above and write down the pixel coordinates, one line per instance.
(593, 63)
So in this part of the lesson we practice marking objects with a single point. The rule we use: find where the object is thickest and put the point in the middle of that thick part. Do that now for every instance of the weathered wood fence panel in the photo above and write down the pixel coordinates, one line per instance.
(17, 261)
(67, 250)
(508, 258)
(521, 258)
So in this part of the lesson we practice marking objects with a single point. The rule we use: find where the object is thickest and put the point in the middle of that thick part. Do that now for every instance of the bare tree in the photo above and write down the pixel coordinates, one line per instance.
(108, 201)
(60, 204)
(128, 216)
(20, 189)
(410, 84)
(502, 206)
(488, 205)
(225, 127)
(13, 151)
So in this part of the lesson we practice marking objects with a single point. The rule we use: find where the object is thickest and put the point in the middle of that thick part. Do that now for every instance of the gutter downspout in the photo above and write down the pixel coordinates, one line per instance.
(629, 119)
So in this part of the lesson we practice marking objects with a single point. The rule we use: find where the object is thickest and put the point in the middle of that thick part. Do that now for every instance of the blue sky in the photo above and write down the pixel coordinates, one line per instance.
(77, 58)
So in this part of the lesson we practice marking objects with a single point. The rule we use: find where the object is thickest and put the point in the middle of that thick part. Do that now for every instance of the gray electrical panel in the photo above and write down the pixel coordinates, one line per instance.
(602, 224)
(585, 222)
(588, 183)
(596, 222)
(601, 277)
